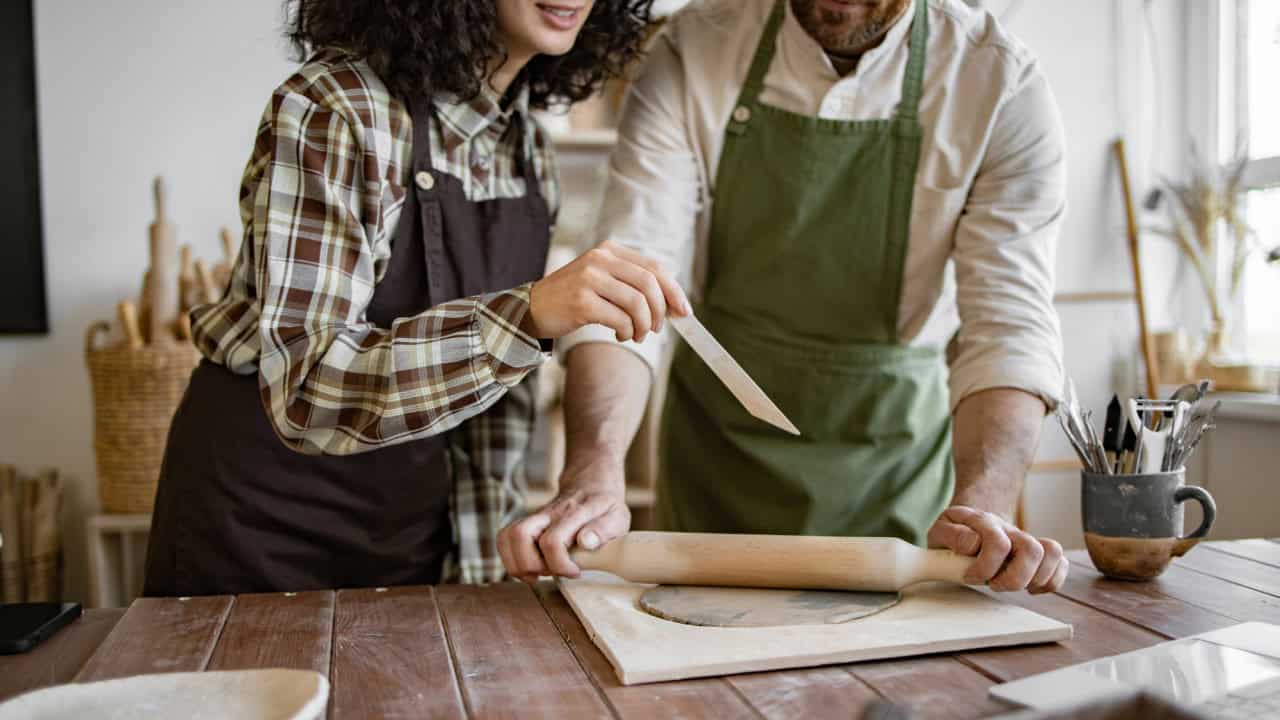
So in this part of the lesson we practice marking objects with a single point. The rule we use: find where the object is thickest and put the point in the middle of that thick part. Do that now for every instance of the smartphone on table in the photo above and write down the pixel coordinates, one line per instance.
(25, 625)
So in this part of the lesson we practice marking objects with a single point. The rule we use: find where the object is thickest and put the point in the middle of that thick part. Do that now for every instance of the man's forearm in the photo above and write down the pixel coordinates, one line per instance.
(994, 444)
(605, 397)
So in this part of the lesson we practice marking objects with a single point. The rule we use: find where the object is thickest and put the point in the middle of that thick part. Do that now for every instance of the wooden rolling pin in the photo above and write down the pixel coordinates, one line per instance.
(164, 272)
(773, 561)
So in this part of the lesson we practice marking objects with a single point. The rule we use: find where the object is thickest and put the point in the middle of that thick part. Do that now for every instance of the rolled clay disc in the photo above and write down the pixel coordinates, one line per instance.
(760, 607)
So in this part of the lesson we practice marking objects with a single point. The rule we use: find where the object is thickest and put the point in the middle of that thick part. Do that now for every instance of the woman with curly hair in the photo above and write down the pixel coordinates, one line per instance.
(362, 411)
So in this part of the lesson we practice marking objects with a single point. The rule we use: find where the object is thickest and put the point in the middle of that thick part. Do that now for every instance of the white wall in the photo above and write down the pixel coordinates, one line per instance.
(127, 90)
(131, 89)
(1097, 58)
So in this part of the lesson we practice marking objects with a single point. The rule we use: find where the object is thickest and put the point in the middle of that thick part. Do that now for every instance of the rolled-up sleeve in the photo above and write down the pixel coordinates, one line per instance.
(1005, 245)
(653, 194)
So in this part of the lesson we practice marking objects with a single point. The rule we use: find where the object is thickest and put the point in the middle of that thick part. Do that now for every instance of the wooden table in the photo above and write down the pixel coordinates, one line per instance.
(509, 650)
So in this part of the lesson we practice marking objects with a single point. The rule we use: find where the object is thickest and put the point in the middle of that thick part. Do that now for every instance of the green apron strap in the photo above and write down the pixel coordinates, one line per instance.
(913, 78)
(759, 66)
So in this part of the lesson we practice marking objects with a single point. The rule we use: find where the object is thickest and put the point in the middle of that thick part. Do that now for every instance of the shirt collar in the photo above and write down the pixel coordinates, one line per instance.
(469, 118)
(803, 54)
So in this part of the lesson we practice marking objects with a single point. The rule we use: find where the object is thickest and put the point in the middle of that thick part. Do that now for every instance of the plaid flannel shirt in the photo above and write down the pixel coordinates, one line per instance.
(320, 202)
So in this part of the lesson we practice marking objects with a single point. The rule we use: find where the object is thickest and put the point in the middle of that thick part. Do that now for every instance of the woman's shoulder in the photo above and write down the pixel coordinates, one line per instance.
(344, 84)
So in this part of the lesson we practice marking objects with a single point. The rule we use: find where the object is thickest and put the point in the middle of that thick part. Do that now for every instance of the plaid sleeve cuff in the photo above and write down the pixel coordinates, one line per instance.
(503, 330)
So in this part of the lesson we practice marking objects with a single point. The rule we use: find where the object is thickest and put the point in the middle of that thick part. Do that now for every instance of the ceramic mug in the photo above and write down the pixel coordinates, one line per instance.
(1133, 523)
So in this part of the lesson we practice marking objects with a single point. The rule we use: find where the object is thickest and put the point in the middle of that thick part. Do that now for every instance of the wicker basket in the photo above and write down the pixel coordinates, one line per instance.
(135, 393)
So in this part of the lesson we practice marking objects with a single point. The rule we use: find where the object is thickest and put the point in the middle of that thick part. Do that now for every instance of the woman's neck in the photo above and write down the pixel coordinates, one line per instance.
(501, 76)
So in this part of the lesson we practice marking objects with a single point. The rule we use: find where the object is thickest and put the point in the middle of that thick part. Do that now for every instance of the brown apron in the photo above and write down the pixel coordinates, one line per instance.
(237, 511)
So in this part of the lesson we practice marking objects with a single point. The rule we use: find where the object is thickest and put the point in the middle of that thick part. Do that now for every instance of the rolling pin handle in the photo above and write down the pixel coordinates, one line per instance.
(946, 565)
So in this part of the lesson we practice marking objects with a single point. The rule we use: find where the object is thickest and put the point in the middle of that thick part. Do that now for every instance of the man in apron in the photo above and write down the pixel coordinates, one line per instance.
(869, 195)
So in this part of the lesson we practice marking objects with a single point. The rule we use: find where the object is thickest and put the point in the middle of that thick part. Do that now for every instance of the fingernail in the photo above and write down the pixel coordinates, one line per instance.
(590, 540)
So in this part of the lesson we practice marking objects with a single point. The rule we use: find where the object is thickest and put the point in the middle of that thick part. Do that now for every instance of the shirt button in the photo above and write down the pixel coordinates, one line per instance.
(742, 114)
(424, 180)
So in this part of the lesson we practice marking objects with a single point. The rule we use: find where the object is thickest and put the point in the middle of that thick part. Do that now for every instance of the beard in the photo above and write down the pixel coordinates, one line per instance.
(839, 33)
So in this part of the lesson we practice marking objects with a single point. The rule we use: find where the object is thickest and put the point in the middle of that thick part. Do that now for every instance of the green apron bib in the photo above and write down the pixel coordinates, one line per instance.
(808, 238)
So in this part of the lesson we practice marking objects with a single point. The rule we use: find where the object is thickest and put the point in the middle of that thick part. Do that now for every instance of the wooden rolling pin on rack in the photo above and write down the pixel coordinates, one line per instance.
(174, 283)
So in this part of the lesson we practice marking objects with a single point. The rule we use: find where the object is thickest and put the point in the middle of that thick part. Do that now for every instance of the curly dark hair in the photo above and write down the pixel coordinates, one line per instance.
(445, 46)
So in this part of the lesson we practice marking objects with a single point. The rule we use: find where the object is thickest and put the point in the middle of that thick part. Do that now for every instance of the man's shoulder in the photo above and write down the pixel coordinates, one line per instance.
(978, 36)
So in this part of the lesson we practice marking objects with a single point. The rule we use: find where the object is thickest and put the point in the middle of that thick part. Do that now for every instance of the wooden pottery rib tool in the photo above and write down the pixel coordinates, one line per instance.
(730, 372)
(164, 271)
(773, 561)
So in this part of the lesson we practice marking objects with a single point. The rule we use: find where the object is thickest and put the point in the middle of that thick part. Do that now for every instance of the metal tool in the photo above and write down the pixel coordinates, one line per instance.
(747, 392)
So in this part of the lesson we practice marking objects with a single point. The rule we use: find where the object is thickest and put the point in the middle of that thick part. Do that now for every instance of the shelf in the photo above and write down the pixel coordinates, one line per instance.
(1249, 406)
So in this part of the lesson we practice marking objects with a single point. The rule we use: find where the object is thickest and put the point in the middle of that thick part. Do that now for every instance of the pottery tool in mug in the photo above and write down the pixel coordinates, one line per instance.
(747, 392)
(1151, 440)
(1128, 449)
(1113, 434)
(1077, 426)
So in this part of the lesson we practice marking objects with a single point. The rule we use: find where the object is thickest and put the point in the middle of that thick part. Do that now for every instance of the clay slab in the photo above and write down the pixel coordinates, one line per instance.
(931, 618)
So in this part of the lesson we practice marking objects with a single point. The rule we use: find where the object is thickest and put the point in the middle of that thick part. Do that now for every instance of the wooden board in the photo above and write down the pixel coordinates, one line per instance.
(277, 630)
(160, 635)
(507, 659)
(931, 618)
(391, 658)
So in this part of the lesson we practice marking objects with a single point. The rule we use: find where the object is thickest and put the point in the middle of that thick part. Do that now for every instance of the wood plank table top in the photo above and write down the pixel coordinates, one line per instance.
(512, 650)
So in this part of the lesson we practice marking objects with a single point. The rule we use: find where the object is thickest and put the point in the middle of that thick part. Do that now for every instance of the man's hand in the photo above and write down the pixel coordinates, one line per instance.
(589, 512)
(1008, 559)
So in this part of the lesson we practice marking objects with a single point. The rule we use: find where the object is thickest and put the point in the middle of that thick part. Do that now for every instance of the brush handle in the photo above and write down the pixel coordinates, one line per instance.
(773, 561)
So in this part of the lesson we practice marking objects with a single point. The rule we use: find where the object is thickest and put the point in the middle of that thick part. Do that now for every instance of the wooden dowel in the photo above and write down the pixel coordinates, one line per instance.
(228, 245)
(128, 315)
(1131, 223)
(208, 290)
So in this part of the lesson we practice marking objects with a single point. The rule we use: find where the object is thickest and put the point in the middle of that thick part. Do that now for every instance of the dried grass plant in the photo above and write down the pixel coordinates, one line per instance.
(1207, 224)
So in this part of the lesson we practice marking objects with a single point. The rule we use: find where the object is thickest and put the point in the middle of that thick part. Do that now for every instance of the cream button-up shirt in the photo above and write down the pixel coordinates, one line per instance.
(990, 192)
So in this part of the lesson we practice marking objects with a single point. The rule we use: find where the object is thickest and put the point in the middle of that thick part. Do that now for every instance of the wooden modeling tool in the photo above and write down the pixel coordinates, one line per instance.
(773, 561)
(164, 271)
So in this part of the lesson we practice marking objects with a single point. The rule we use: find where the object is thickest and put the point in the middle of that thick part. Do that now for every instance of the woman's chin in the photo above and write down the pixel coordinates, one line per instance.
(555, 46)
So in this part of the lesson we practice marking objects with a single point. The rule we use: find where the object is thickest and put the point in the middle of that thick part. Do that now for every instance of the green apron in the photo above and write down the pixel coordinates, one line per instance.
(808, 238)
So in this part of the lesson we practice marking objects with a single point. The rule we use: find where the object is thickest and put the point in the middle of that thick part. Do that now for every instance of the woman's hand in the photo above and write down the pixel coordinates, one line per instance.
(609, 285)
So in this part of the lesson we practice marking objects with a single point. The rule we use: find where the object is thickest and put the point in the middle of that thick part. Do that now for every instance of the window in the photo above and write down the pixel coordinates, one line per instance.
(1231, 103)
(1258, 64)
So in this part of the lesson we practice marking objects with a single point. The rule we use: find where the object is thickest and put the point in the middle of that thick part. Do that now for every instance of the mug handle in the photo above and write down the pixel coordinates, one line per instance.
(1202, 496)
